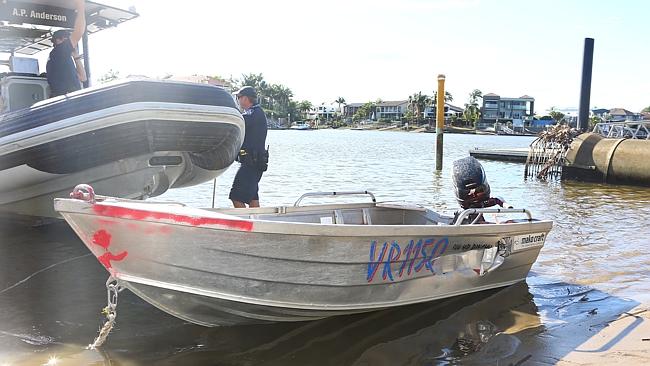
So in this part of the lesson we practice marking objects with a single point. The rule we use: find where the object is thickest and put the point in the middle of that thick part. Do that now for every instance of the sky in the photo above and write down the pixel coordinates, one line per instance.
(366, 50)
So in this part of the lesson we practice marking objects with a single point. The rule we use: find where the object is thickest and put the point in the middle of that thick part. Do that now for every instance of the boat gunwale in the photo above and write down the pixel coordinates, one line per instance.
(259, 226)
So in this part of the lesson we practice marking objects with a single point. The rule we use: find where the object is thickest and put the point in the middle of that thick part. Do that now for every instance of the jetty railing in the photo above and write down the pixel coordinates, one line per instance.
(628, 129)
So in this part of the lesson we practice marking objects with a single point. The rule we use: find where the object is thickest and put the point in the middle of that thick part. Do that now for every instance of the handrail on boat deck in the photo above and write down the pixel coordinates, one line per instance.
(345, 193)
(472, 211)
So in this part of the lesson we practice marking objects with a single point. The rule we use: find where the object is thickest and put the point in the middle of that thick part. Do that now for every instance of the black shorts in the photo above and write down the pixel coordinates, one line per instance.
(245, 186)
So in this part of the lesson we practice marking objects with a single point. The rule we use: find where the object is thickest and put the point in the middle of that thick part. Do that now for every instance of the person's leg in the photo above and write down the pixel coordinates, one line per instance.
(240, 191)
(255, 201)
(239, 204)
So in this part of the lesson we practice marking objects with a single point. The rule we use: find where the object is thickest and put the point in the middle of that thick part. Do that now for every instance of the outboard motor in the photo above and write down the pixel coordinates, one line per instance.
(470, 183)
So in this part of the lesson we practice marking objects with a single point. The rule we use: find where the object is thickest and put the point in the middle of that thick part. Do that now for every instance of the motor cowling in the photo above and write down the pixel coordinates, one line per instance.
(470, 183)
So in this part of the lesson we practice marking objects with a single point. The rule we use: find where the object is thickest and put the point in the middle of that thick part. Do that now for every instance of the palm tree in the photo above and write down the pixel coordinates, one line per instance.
(412, 107)
(475, 95)
(448, 97)
(472, 112)
(339, 101)
(256, 81)
(417, 103)
(304, 107)
(274, 92)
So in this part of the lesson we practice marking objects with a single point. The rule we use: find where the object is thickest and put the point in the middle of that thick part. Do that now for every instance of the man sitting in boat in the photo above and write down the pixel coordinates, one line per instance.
(64, 68)
(252, 156)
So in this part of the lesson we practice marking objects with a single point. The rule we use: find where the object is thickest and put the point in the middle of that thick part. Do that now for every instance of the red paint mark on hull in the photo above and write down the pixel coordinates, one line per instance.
(106, 258)
(102, 238)
(129, 213)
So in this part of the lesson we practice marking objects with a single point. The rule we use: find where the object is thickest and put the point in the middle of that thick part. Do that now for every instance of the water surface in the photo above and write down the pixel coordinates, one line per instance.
(594, 265)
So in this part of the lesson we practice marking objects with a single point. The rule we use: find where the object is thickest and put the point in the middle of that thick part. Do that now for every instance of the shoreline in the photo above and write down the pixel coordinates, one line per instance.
(452, 130)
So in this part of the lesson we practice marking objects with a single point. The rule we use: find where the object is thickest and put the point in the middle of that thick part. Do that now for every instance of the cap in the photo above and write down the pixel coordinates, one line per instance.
(61, 33)
(247, 91)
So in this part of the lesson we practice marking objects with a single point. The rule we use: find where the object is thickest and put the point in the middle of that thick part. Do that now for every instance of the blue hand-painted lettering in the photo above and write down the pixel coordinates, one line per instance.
(416, 255)
(393, 256)
(373, 264)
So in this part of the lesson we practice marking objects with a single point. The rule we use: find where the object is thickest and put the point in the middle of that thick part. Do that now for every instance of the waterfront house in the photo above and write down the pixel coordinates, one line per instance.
(505, 109)
(622, 114)
(322, 112)
(451, 111)
(599, 112)
(350, 109)
(392, 110)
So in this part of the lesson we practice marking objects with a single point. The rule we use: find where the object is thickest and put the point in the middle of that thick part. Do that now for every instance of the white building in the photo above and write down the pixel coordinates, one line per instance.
(323, 112)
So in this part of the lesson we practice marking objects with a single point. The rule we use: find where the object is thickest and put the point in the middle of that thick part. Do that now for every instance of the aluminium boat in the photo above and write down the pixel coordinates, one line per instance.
(217, 267)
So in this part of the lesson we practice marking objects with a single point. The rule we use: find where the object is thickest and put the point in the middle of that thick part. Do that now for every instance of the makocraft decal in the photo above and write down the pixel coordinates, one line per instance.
(526, 241)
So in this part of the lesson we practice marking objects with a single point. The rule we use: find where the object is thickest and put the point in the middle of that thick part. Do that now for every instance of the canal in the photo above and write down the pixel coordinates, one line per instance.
(594, 265)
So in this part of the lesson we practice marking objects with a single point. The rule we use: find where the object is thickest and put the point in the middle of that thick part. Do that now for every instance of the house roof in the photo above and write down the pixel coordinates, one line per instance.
(353, 105)
(526, 96)
(392, 103)
(600, 110)
(620, 112)
(490, 95)
(454, 108)
(529, 99)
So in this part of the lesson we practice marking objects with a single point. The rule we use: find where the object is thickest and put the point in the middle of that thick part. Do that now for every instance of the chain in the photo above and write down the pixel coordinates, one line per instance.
(110, 311)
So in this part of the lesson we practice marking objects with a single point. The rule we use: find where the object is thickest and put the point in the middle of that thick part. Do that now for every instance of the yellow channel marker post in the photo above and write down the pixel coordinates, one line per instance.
(440, 120)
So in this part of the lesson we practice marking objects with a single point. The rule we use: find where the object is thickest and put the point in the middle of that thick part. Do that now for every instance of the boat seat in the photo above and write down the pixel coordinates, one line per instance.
(366, 216)
(338, 217)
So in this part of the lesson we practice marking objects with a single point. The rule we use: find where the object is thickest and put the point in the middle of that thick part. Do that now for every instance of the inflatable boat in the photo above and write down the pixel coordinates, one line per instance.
(130, 139)
(134, 139)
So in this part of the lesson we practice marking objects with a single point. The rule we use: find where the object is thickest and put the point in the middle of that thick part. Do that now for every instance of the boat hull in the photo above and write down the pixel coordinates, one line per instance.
(132, 140)
(213, 269)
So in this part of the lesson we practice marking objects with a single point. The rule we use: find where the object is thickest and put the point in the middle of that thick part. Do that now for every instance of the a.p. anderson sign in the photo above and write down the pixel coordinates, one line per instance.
(38, 14)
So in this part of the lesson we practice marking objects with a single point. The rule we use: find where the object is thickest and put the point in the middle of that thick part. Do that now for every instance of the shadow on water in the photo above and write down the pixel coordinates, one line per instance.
(51, 292)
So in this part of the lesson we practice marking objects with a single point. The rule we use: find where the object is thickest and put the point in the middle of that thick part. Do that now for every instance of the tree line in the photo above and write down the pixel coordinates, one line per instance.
(417, 104)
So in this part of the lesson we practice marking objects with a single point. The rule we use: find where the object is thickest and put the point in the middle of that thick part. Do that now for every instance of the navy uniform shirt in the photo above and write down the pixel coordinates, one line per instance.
(255, 137)
(61, 71)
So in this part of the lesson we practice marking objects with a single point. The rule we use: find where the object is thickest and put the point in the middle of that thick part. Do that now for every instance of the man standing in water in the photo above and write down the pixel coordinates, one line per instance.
(64, 67)
(252, 156)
